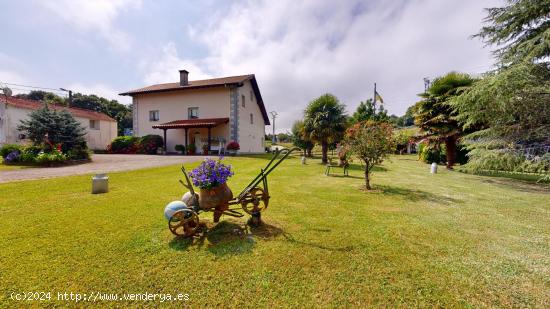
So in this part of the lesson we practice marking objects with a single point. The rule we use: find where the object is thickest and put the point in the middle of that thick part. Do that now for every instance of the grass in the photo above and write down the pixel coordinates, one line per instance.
(420, 240)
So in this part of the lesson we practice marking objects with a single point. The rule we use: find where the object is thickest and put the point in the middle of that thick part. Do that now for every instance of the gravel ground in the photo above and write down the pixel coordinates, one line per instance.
(101, 163)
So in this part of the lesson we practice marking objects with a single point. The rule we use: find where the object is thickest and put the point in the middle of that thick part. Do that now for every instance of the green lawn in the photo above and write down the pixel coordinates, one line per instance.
(420, 240)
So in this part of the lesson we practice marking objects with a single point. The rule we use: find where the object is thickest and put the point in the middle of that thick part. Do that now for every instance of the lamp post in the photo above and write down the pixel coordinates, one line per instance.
(70, 95)
(274, 115)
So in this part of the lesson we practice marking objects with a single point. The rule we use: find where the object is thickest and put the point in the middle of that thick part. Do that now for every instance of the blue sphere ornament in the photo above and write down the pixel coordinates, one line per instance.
(172, 207)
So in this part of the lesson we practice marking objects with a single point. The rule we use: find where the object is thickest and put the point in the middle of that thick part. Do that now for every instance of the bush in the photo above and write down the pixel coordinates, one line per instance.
(233, 145)
(29, 154)
(13, 156)
(78, 153)
(55, 156)
(149, 144)
(429, 154)
(123, 144)
(180, 148)
(9, 148)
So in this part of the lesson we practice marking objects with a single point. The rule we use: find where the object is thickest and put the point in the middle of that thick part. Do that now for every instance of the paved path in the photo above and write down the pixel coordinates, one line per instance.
(101, 163)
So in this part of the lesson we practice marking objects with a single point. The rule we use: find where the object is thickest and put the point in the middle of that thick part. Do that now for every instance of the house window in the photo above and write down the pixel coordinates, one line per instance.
(242, 100)
(251, 96)
(154, 115)
(94, 124)
(251, 119)
(192, 113)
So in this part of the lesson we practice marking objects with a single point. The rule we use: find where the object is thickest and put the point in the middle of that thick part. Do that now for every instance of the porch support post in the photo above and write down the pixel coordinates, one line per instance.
(186, 134)
(209, 138)
(165, 150)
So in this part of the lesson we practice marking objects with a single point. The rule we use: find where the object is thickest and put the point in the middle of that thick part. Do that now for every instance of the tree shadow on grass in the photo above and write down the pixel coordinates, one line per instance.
(359, 167)
(519, 185)
(417, 195)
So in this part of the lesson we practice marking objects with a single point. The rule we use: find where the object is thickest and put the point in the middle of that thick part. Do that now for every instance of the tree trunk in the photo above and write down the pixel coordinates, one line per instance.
(367, 180)
(450, 151)
(324, 148)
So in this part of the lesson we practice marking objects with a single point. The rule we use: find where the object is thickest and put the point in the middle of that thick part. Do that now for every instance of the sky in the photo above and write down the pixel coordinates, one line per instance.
(298, 50)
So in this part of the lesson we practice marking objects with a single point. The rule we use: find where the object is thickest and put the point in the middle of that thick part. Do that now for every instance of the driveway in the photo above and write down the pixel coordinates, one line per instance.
(101, 163)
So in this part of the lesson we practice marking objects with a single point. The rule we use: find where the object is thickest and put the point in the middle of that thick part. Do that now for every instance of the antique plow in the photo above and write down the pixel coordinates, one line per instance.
(253, 199)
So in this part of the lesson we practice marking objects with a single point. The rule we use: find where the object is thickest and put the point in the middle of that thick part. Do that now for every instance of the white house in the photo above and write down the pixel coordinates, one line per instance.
(208, 113)
(100, 128)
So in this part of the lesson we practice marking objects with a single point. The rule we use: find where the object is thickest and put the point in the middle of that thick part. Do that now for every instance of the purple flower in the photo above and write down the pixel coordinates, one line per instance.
(12, 156)
(210, 174)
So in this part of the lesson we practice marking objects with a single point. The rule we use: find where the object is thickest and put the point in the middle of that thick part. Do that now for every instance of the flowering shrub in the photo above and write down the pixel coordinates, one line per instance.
(233, 145)
(210, 174)
(9, 148)
(12, 156)
(55, 156)
(149, 144)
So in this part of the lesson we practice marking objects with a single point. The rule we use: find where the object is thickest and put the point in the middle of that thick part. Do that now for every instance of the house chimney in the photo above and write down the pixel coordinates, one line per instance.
(184, 81)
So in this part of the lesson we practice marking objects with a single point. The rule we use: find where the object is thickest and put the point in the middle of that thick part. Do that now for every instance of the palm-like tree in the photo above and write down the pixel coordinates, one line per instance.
(325, 121)
(436, 117)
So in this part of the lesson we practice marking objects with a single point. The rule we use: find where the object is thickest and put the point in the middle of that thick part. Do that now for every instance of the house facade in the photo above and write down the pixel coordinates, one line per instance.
(207, 113)
(100, 128)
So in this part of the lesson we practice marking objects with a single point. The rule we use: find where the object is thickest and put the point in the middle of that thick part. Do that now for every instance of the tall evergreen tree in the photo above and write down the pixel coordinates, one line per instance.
(48, 126)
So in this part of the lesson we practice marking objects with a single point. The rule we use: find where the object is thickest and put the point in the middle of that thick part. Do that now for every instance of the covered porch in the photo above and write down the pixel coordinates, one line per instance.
(203, 133)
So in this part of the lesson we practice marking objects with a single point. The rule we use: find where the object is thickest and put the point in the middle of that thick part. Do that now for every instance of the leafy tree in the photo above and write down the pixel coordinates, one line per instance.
(120, 112)
(521, 29)
(44, 96)
(367, 111)
(48, 127)
(371, 141)
(299, 138)
(435, 116)
(325, 121)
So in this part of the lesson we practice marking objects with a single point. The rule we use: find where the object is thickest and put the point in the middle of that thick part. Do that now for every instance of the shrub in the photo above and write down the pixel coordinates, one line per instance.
(233, 145)
(29, 154)
(430, 153)
(9, 148)
(13, 156)
(78, 153)
(123, 144)
(180, 148)
(149, 144)
(55, 156)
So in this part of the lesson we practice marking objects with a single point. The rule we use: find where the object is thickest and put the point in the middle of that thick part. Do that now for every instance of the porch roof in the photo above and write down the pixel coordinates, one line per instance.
(192, 123)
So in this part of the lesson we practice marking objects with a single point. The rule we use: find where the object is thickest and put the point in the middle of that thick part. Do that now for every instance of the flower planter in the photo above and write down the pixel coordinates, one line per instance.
(210, 198)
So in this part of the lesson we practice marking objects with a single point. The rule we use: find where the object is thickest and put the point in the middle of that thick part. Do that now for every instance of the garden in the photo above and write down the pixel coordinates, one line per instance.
(418, 239)
(55, 138)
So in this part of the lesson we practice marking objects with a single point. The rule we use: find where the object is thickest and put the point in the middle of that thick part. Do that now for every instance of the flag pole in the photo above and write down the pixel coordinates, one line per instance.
(374, 101)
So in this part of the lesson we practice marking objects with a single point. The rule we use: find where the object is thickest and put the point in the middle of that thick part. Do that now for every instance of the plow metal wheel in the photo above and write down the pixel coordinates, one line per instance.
(184, 223)
(255, 201)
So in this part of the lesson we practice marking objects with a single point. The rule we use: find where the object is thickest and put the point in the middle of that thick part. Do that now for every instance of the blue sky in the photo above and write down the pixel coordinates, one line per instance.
(298, 50)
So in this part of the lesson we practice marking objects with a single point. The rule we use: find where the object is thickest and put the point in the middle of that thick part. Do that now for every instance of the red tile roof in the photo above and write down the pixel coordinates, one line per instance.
(193, 84)
(191, 123)
(34, 105)
(207, 83)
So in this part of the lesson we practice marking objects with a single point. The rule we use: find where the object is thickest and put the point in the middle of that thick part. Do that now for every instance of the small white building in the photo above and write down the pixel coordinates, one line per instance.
(202, 112)
(100, 128)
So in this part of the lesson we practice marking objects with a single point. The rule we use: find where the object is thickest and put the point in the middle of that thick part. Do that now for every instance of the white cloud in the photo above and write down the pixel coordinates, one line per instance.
(95, 16)
(164, 68)
(300, 50)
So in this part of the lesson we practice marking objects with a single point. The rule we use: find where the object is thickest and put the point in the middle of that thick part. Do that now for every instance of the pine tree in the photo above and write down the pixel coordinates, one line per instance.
(47, 126)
